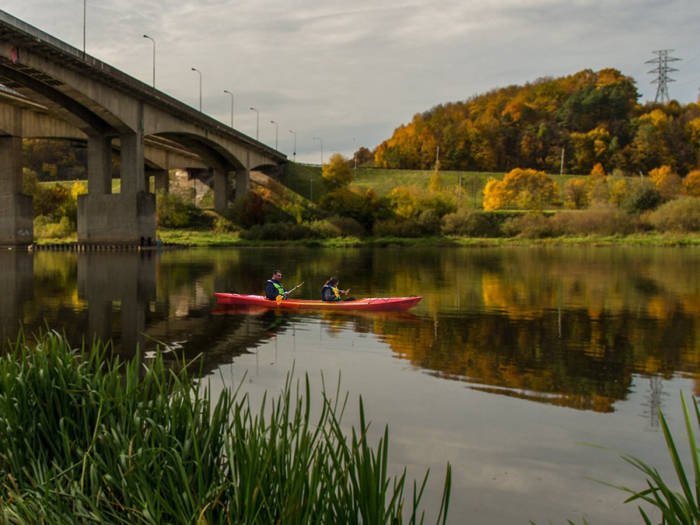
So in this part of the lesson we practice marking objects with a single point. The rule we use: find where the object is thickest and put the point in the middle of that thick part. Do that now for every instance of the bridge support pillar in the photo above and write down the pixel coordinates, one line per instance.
(16, 214)
(128, 217)
(162, 180)
(242, 183)
(221, 191)
(99, 164)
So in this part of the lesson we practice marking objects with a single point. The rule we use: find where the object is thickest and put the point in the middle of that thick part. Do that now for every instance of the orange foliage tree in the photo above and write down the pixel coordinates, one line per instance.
(666, 181)
(526, 188)
(691, 184)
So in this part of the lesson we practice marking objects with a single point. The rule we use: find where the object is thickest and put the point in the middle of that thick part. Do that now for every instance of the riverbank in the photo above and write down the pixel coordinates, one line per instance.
(206, 238)
(199, 238)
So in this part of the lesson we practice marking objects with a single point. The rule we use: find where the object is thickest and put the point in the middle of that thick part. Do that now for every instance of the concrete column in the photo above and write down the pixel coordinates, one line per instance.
(16, 214)
(125, 218)
(10, 165)
(242, 183)
(99, 164)
(221, 191)
(131, 156)
(17, 285)
(162, 179)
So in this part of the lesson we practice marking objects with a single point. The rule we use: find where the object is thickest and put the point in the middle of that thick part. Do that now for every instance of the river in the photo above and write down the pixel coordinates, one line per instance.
(515, 362)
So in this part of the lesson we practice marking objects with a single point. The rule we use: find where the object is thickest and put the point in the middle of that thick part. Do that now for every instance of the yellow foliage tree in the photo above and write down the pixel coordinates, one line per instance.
(527, 188)
(691, 184)
(337, 173)
(666, 181)
(78, 188)
(436, 183)
(576, 193)
(618, 190)
(405, 201)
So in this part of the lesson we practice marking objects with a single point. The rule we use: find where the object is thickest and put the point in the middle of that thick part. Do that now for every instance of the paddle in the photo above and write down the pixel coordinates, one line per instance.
(281, 297)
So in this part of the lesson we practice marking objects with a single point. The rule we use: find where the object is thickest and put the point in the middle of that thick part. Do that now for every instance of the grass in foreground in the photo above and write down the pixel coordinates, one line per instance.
(87, 439)
(676, 508)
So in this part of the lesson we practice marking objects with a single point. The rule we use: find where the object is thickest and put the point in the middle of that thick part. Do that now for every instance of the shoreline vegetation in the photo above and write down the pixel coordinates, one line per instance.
(87, 438)
(438, 208)
(204, 238)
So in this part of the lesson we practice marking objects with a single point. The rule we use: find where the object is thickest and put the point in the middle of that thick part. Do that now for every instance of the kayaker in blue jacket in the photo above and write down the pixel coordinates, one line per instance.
(273, 287)
(331, 292)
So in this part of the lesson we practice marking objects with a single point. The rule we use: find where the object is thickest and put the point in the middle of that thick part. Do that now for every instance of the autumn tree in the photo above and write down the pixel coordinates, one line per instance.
(526, 188)
(618, 191)
(363, 157)
(691, 184)
(436, 182)
(598, 170)
(337, 173)
(576, 193)
(667, 183)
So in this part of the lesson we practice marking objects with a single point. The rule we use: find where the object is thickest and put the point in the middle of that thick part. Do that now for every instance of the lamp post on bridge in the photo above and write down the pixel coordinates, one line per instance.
(200, 87)
(277, 128)
(320, 140)
(294, 153)
(311, 181)
(232, 99)
(257, 123)
(154, 58)
(84, 24)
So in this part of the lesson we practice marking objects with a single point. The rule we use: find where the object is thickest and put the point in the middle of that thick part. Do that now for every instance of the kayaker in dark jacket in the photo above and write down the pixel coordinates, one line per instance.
(331, 292)
(273, 288)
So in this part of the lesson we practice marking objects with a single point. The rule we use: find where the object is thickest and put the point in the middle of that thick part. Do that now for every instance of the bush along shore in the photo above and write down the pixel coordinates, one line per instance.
(85, 438)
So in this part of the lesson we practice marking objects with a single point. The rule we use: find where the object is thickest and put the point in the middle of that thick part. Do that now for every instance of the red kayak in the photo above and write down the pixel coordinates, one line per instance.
(368, 303)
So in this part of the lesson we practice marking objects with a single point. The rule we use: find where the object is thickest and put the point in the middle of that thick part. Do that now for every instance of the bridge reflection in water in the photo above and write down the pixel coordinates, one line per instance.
(574, 335)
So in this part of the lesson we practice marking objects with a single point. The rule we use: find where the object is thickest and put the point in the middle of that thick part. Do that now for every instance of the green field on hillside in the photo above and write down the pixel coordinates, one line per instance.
(303, 179)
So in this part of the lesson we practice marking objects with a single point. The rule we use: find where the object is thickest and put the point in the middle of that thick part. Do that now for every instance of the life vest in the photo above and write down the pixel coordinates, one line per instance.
(336, 292)
(277, 286)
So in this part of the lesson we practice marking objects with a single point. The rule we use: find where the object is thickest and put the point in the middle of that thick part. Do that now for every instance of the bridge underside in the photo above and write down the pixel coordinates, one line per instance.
(55, 85)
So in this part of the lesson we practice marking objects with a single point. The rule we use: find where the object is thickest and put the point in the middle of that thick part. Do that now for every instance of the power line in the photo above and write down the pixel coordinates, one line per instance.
(662, 70)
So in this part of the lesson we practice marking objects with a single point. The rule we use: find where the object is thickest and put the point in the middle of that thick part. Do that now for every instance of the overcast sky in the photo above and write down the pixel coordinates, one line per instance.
(350, 72)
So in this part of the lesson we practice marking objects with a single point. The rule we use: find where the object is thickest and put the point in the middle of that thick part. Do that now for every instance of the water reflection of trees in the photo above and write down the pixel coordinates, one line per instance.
(562, 326)
(567, 326)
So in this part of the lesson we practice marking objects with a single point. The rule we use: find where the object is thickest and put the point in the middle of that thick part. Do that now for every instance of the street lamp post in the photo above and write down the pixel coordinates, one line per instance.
(277, 128)
(294, 153)
(154, 58)
(84, 24)
(232, 99)
(200, 87)
(354, 151)
(311, 181)
(257, 123)
(320, 140)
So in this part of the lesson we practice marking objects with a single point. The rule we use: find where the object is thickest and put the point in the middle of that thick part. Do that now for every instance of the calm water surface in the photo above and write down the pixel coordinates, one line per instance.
(515, 359)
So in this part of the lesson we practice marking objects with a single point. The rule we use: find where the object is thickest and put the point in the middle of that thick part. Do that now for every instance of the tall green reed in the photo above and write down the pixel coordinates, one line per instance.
(85, 438)
(675, 507)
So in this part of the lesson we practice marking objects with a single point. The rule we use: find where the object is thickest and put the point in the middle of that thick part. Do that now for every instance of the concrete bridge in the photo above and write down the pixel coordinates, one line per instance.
(77, 96)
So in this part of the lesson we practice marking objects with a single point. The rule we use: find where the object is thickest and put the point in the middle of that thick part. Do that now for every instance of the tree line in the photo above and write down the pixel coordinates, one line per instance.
(572, 122)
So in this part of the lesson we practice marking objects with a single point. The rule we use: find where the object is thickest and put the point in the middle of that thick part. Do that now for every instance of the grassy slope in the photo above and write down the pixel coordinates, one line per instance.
(301, 178)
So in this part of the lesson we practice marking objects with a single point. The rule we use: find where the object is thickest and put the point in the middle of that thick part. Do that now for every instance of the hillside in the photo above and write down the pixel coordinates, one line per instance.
(592, 116)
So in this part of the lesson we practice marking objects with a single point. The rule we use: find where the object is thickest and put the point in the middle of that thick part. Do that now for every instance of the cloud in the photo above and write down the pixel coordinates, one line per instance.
(358, 70)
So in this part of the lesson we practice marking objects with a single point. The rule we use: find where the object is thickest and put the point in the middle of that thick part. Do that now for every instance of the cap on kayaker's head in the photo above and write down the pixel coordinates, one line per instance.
(276, 275)
(332, 281)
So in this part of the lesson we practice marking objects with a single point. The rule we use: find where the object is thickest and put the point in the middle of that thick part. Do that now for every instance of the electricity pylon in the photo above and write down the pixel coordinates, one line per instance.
(662, 70)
